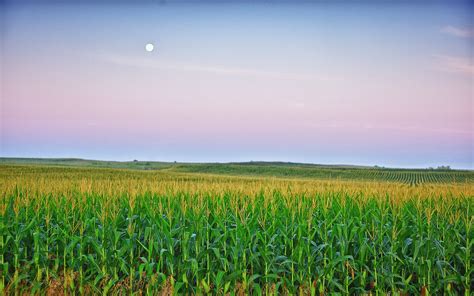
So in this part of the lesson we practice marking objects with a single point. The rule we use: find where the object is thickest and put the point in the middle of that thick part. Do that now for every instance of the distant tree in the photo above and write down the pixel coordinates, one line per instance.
(444, 167)
(135, 160)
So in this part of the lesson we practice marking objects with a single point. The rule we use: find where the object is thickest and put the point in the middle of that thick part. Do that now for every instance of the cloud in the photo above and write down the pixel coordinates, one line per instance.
(458, 32)
(176, 66)
(455, 64)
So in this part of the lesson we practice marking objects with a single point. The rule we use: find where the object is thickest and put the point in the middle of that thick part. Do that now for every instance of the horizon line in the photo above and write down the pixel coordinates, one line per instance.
(359, 166)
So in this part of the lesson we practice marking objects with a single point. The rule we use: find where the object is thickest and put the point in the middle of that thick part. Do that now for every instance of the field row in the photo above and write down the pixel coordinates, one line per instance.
(92, 231)
(420, 177)
(411, 177)
(78, 230)
(200, 244)
(260, 169)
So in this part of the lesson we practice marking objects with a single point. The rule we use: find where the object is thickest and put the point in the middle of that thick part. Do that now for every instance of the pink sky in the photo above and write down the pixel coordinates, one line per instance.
(239, 86)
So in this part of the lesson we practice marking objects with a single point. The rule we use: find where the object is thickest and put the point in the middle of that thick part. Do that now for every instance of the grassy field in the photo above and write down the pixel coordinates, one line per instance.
(252, 228)
(268, 169)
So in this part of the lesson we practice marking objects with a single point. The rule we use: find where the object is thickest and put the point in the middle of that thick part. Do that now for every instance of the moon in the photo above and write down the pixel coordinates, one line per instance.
(149, 47)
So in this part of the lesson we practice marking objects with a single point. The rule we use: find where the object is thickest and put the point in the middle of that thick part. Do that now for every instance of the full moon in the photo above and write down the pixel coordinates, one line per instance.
(149, 47)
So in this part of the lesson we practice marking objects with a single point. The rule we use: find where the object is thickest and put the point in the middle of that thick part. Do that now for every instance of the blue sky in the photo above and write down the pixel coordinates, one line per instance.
(387, 84)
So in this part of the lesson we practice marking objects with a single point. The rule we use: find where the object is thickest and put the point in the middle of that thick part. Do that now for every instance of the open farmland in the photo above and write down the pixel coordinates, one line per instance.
(218, 229)
(268, 169)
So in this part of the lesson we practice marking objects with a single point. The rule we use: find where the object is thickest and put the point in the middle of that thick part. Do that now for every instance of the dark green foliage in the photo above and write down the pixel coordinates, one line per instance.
(209, 243)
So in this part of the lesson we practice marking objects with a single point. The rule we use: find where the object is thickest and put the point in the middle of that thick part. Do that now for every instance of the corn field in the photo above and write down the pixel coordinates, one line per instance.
(110, 231)
(407, 176)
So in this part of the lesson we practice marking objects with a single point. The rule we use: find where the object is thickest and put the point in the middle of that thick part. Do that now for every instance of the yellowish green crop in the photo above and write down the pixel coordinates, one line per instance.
(105, 231)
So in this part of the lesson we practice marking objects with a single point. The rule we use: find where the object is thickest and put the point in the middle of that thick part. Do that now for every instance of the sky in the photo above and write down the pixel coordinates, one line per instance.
(362, 83)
